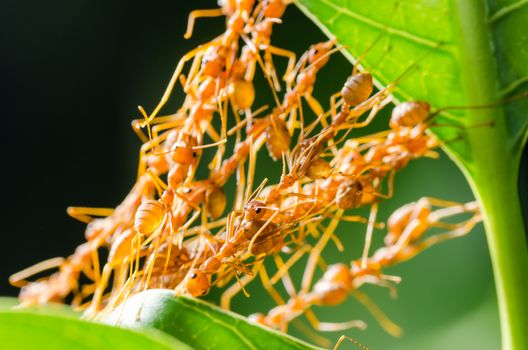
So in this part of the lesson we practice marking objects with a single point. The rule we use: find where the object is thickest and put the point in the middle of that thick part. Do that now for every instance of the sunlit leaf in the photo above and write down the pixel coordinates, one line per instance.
(199, 324)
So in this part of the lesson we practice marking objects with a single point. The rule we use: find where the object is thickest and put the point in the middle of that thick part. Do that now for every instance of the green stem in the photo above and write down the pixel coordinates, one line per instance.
(498, 197)
(493, 173)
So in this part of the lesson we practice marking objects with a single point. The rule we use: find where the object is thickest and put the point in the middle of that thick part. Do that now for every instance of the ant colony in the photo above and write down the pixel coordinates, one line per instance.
(176, 231)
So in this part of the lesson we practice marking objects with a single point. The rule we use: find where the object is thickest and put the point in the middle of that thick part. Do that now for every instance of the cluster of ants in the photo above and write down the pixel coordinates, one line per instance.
(172, 230)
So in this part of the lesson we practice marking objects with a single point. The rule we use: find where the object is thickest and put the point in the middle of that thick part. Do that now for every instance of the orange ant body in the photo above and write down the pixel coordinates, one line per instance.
(406, 227)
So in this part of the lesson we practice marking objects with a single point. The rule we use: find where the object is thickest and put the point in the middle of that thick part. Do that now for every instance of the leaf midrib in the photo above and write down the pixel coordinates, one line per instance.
(480, 79)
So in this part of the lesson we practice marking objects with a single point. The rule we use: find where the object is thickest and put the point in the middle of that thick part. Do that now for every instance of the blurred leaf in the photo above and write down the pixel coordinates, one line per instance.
(198, 323)
(53, 328)
(8, 304)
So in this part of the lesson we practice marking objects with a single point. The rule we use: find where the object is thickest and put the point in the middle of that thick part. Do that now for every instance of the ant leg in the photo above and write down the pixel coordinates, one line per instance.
(268, 286)
(200, 14)
(389, 326)
(100, 288)
(441, 202)
(355, 342)
(85, 214)
(271, 70)
(284, 53)
(147, 147)
(316, 251)
(381, 98)
(95, 262)
(212, 133)
(137, 126)
(166, 126)
(285, 267)
(311, 334)
(332, 327)
(268, 78)
(193, 71)
(251, 170)
(151, 263)
(175, 75)
(433, 240)
(315, 107)
(286, 278)
(290, 79)
(241, 184)
(334, 105)
(233, 290)
(18, 279)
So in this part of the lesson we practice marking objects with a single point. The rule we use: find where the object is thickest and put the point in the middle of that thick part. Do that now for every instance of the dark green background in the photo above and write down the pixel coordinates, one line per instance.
(73, 73)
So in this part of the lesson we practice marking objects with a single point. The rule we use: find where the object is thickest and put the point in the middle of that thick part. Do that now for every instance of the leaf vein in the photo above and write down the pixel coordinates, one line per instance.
(513, 86)
(503, 12)
(401, 33)
(223, 324)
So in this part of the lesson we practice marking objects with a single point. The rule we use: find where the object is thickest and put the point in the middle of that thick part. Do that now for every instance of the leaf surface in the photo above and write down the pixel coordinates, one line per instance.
(53, 327)
(199, 324)
(451, 53)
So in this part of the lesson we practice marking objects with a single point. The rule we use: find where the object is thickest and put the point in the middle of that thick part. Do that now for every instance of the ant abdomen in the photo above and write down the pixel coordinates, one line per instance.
(216, 202)
(409, 114)
(149, 217)
(243, 94)
(357, 89)
(278, 138)
(318, 169)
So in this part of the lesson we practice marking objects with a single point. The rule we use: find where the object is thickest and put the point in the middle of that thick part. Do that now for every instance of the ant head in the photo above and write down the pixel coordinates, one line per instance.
(228, 6)
(198, 284)
(273, 8)
(255, 209)
(349, 194)
(318, 53)
(213, 61)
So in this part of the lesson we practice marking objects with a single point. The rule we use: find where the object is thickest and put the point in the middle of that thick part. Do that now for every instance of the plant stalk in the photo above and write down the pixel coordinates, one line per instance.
(493, 171)
(500, 205)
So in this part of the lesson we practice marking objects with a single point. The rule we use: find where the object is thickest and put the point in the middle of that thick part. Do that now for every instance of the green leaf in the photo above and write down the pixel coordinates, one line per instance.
(8, 304)
(199, 324)
(51, 327)
(461, 53)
